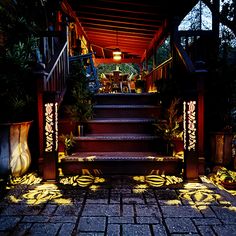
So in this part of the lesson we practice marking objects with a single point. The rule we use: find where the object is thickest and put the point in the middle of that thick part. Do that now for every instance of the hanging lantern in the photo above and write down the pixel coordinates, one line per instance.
(117, 55)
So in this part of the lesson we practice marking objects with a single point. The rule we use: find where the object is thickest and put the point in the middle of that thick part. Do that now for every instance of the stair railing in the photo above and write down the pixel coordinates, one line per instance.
(51, 86)
(191, 76)
(162, 71)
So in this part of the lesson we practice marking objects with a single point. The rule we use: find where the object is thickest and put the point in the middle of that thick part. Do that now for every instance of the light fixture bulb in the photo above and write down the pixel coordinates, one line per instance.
(117, 55)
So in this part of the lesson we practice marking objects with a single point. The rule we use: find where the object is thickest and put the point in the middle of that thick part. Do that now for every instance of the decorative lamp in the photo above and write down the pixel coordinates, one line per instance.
(117, 54)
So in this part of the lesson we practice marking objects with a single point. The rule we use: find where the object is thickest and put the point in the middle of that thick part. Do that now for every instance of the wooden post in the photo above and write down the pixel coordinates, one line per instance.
(190, 139)
(40, 76)
(50, 136)
(201, 75)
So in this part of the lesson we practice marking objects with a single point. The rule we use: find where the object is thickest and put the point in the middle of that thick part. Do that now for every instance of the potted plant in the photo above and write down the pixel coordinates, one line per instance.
(140, 85)
(77, 105)
(68, 140)
(171, 128)
(16, 95)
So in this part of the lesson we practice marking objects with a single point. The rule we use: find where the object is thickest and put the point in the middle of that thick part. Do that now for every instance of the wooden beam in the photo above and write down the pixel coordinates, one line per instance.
(156, 39)
(98, 61)
(118, 27)
(68, 10)
(101, 29)
(115, 10)
(127, 18)
(116, 20)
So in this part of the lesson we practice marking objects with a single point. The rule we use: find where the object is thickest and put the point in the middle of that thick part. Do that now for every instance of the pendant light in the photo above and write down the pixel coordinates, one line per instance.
(117, 53)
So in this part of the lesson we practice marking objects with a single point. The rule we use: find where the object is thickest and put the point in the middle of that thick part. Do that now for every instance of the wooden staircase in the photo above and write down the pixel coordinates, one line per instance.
(120, 139)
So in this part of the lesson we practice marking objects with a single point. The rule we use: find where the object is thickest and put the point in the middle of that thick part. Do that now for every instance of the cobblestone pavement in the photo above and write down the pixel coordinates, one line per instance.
(118, 206)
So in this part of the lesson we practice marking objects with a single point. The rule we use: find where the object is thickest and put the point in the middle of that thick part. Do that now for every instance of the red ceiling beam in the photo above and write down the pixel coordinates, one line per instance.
(128, 35)
(121, 38)
(98, 61)
(115, 21)
(143, 12)
(128, 18)
(130, 3)
(118, 27)
(94, 29)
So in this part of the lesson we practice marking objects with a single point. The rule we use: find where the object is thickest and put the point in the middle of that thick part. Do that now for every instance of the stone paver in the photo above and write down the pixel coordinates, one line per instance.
(180, 225)
(181, 211)
(118, 208)
(92, 224)
(135, 229)
(44, 229)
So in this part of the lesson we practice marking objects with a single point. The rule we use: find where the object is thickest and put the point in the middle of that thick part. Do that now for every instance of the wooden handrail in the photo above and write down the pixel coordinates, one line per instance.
(184, 57)
(162, 71)
(51, 86)
(57, 70)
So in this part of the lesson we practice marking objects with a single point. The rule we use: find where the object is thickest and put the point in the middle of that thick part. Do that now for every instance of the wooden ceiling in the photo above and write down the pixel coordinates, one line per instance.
(131, 26)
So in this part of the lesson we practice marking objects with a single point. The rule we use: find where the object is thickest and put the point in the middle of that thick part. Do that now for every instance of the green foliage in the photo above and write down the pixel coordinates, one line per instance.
(171, 128)
(16, 81)
(163, 52)
(69, 142)
(77, 103)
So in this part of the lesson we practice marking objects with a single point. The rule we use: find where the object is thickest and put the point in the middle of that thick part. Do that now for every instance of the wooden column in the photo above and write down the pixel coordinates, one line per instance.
(190, 114)
(50, 114)
(201, 75)
(40, 76)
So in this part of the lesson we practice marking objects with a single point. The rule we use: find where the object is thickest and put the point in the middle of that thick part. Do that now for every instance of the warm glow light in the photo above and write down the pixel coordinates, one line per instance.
(189, 125)
(192, 125)
(117, 55)
(49, 127)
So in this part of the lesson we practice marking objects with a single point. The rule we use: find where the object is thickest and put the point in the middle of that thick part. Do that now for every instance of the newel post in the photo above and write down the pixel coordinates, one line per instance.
(47, 126)
(201, 76)
(190, 138)
(50, 127)
(40, 75)
(193, 124)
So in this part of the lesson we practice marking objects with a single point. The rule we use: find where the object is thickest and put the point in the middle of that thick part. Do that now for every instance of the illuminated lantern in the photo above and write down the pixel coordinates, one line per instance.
(15, 157)
(117, 55)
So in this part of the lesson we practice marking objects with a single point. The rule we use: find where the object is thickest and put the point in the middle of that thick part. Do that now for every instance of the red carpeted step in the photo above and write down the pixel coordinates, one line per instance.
(121, 163)
(120, 125)
(127, 111)
(115, 143)
(127, 98)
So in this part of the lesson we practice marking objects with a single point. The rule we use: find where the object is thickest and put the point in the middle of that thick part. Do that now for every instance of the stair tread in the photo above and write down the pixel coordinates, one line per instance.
(121, 120)
(119, 156)
(125, 94)
(117, 137)
(124, 106)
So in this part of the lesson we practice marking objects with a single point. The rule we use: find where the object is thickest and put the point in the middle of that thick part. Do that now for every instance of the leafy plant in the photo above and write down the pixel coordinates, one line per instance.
(171, 128)
(16, 83)
(69, 142)
(78, 99)
(17, 94)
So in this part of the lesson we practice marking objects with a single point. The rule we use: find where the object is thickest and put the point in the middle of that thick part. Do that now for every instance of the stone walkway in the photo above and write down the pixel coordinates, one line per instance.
(117, 206)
